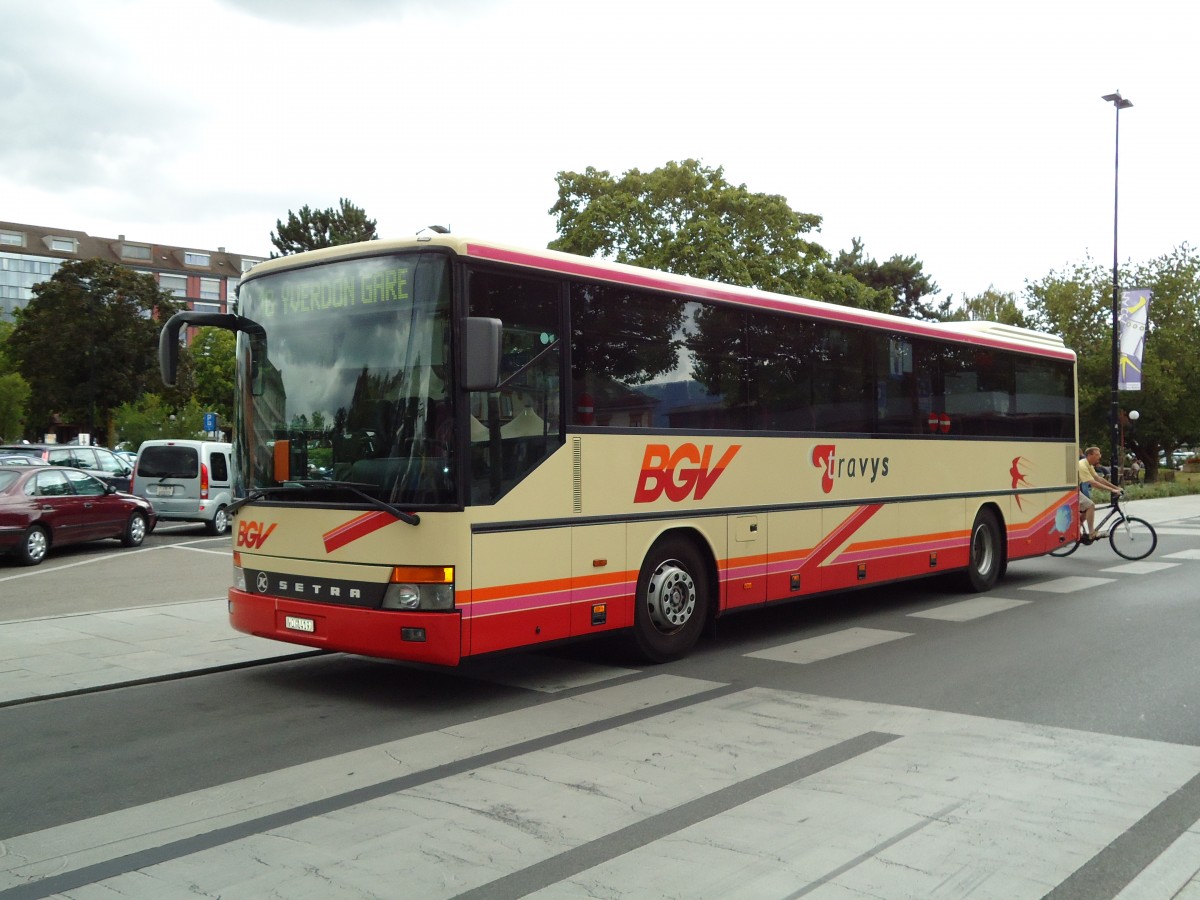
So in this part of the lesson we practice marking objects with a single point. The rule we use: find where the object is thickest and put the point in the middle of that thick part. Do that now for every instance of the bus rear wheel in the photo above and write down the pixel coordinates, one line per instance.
(986, 552)
(672, 602)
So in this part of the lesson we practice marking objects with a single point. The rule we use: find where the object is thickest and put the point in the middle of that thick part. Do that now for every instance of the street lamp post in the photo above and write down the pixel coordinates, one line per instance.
(1114, 412)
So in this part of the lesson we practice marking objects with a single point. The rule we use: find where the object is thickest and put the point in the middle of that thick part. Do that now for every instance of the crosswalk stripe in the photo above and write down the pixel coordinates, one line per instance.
(1069, 585)
(966, 610)
(812, 650)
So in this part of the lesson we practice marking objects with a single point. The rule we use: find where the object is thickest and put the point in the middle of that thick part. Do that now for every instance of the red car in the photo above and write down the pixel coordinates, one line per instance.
(49, 506)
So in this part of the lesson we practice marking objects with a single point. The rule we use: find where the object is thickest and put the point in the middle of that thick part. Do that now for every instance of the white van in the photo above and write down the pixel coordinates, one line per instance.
(186, 481)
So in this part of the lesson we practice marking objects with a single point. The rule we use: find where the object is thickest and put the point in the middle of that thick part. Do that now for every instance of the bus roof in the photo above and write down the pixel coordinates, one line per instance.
(993, 334)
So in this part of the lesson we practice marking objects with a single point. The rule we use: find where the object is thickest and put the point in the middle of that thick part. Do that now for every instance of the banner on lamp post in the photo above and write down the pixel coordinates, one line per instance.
(1133, 315)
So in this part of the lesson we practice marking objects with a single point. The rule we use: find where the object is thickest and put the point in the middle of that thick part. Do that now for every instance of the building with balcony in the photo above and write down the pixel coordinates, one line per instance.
(206, 279)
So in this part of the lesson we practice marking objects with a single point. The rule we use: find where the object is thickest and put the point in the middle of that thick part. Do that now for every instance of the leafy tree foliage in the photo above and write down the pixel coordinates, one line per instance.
(211, 358)
(313, 229)
(14, 391)
(1077, 304)
(901, 278)
(88, 342)
(991, 306)
(151, 417)
(686, 218)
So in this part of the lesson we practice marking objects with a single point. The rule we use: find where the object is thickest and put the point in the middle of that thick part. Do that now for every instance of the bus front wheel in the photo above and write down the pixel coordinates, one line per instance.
(986, 552)
(672, 602)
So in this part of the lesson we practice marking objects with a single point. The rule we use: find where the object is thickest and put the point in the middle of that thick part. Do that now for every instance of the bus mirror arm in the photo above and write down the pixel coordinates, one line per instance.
(168, 338)
(481, 353)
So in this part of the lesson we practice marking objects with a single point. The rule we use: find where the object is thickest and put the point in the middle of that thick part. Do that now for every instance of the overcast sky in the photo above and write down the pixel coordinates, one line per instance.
(969, 134)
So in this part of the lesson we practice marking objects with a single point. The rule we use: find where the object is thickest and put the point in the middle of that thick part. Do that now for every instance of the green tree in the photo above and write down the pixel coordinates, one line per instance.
(14, 390)
(687, 219)
(1077, 304)
(991, 306)
(211, 356)
(151, 417)
(313, 229)
(88, 342)
(902, 278)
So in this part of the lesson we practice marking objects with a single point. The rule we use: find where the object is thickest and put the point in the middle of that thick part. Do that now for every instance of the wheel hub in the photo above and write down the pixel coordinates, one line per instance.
(671, 596)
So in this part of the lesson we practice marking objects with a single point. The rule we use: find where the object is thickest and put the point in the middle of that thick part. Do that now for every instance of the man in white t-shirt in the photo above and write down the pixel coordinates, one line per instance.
(1089, 476)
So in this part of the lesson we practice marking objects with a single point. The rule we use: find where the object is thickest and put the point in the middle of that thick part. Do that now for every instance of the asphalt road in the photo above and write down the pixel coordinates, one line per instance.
(908, 741)
(104, 575)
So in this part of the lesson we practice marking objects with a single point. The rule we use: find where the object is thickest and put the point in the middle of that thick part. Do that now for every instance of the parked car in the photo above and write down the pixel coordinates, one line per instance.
(51, 506)
(187, 481)
(98, 461)
(16, 460)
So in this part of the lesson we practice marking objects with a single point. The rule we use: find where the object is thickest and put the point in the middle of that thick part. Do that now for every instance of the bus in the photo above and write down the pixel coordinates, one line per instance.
(446, 447)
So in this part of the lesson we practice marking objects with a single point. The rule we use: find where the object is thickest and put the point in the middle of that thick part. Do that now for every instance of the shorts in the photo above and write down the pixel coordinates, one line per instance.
(1085, 502)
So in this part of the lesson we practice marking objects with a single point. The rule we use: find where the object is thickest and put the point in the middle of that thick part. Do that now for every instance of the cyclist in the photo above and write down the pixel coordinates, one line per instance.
(1089, 477)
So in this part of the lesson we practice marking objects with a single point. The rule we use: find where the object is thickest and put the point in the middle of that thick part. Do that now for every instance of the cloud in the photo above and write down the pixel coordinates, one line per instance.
(302, 13)
(80, 116)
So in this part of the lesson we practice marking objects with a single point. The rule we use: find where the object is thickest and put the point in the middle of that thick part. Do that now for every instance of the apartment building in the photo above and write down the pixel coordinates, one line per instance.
(206, 279)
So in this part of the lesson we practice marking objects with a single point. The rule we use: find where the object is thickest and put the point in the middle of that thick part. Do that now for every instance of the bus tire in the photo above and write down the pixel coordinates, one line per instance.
(985, 553)
(673, 600)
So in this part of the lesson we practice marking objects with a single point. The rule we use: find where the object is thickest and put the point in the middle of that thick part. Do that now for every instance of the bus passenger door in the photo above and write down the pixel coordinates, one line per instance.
(746, 568)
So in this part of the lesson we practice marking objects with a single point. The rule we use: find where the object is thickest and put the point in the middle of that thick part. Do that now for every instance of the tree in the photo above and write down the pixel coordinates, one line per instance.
(151, 418)
(313, 229)
(901, 277)
(991, 306)
(88, 342)
(14, 391)
(1077, 304)
(211, 355)
(687, 219)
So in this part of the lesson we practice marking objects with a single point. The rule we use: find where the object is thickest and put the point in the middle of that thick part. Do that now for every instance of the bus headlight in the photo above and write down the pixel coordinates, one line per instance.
(423, 588)
(402, 596)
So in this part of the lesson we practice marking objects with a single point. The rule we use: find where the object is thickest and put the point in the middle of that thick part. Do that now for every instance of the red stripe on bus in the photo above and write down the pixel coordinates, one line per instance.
(356, 528)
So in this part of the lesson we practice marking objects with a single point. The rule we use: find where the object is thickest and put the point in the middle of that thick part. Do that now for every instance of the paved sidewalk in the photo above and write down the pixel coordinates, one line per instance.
(65, 654)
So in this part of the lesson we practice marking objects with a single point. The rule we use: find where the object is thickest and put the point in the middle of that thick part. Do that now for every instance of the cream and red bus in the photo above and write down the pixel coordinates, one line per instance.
(447, 447)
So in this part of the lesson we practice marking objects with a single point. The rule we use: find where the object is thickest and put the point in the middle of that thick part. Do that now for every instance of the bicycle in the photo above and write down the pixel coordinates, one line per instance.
(1129, 536)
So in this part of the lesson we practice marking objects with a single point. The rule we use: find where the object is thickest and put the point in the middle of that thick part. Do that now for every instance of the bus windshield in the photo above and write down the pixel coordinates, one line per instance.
(351, 388)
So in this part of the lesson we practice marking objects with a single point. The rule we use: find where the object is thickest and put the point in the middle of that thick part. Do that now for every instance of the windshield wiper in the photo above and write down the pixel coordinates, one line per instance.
(354, 487)
(256, 494)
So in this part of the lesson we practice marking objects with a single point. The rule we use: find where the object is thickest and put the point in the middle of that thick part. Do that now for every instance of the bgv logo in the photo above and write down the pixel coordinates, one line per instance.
(686, 472)
(252, 534)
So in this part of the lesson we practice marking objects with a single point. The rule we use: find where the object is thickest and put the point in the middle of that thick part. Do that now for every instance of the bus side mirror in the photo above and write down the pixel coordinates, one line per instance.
(168, 338)
(481, 353)
(168, 349)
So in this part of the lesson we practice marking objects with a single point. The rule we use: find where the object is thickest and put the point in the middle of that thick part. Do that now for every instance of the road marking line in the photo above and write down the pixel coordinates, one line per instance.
(1068, 585)
(829, 645)
(966, 610)
(1139, 568)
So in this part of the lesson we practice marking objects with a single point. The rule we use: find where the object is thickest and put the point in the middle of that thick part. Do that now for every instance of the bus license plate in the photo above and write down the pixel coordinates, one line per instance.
(295, 623)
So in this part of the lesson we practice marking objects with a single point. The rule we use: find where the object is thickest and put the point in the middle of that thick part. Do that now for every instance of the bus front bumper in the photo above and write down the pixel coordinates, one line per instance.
(425, 637)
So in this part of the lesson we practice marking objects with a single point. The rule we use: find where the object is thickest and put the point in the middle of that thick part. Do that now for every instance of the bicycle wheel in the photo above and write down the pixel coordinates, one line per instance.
(1133, 538)
(1065, 549)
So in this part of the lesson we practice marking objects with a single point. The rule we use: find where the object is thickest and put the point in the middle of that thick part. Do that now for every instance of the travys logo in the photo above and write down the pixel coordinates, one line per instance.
(834, 467)
(252, 534)
(686, 471)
